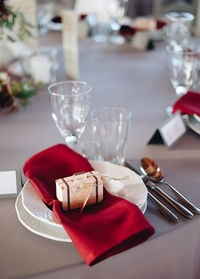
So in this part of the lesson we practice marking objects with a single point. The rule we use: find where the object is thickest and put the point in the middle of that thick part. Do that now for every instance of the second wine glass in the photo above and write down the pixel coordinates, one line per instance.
(183, 69)
(70, 104)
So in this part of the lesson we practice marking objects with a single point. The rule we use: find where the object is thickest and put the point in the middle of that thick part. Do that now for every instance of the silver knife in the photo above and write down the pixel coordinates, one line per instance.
(180, 208)
(163, 209)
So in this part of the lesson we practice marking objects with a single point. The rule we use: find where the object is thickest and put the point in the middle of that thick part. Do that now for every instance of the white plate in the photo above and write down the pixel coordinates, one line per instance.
(41, 228)
(37, 226)
(55, 26)
(33, 208)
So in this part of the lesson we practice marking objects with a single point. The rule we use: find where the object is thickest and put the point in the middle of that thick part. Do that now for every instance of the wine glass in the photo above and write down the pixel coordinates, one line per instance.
(183, 68)
(70, 104)
(178, 28)
(117, 10)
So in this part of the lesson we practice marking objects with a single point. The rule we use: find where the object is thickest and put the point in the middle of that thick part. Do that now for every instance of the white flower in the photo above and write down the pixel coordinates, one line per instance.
(4, 77)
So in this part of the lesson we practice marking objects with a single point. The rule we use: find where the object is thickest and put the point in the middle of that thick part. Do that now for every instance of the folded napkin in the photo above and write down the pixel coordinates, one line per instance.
(103, 230)
(160, 24)
(129, 31)
(188, 103)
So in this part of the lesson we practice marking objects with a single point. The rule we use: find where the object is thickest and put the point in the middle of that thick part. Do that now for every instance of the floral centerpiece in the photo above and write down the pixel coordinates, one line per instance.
(14, 90)
(8, 19)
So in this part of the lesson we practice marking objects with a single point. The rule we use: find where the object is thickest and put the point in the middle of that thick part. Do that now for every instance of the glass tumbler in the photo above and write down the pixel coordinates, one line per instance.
(110, 127)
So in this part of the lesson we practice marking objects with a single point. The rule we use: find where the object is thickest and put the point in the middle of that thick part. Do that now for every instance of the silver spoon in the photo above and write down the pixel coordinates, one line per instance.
(150, 168)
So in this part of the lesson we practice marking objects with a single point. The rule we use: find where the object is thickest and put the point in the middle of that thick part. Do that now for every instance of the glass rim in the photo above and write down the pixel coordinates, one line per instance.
(186, 16)
(69, 82)
(125, 109)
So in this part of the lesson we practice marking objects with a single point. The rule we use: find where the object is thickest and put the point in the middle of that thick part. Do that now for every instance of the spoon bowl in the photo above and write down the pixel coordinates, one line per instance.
(150, 168)
(154, 172)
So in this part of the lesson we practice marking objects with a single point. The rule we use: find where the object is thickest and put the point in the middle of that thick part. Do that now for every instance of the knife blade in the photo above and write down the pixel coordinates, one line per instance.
(162, 208)
(180, 208)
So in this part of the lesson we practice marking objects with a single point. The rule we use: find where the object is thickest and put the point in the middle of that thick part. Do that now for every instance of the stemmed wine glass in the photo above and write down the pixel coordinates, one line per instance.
(183, 69)
(178, 29)
(117, 10)
(183, 62)
(70, 104)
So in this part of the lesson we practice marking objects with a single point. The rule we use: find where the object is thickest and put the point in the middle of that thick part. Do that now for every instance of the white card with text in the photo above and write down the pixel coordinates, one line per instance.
(10, 183)
(172, 130)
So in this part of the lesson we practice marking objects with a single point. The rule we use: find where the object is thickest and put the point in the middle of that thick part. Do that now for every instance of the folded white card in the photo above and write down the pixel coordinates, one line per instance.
(173, 130)
(9, 183)
(169, 132)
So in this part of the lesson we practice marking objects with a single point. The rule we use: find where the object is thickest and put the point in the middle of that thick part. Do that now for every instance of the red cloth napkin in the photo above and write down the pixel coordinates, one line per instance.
(129, 31)
(188, 103)
(102, 230)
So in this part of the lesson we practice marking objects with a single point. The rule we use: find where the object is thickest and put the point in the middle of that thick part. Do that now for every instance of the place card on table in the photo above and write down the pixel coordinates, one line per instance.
(28, 8)
(169, 132)
(70, 43)
(140, 41)
(10, 183)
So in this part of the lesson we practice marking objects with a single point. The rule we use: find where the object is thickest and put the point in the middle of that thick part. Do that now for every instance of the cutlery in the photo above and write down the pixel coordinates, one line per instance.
(154, 173)
(163, 209)
(180, 208)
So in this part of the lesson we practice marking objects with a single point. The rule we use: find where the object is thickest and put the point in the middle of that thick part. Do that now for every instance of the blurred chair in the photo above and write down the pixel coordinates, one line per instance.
(160, 7)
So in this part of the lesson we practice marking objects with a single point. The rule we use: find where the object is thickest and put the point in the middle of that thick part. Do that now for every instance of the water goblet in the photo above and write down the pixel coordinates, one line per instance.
(178, 27)
(70, 104)
(45, 11)
(117, 10)
(183, 69)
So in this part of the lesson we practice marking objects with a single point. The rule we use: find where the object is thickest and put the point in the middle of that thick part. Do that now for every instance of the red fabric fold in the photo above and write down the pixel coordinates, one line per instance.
(129, 31)
(188, 103)
(103, 230)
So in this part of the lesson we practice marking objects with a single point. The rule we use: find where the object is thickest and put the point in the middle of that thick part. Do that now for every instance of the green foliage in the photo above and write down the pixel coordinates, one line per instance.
(8, 19)
(23, 91)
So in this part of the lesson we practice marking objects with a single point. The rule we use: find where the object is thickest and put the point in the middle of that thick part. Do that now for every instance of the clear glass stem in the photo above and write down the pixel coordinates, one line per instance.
(181, 90)
(72, 141)
(169, 110)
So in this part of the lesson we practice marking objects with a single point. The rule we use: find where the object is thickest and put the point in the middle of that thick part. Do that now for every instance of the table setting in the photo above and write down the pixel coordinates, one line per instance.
(90, 194)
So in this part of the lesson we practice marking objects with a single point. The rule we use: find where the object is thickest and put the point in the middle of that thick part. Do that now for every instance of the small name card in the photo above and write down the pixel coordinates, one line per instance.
(10, 183)
(140, 41)
(70, 43)
(169, 132)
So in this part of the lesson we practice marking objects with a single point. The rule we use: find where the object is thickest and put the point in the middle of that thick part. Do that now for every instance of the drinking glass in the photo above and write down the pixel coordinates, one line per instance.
(70, 104)
(178, 27)
(110, 127)
(117, 10)
(45, 12)
(183, 68)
